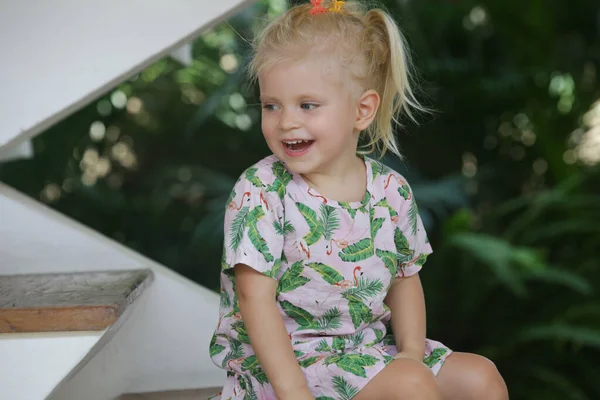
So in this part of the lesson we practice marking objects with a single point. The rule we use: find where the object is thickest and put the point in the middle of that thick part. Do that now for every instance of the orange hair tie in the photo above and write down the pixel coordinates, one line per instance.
(317, 7)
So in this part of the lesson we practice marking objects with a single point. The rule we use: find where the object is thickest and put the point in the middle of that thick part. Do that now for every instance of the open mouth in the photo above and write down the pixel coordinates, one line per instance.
(297, 146)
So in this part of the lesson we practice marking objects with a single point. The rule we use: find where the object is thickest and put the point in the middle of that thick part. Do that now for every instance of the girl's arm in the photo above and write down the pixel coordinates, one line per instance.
(268, 335)
(407, 302)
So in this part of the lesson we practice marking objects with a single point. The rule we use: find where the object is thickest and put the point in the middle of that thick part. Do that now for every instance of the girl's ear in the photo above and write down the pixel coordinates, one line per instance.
(367, 106)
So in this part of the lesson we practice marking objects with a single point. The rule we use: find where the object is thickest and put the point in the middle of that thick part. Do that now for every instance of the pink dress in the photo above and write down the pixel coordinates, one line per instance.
(334, 263)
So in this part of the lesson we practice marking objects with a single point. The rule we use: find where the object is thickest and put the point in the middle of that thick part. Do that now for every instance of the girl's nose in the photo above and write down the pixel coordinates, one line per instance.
(288, 120)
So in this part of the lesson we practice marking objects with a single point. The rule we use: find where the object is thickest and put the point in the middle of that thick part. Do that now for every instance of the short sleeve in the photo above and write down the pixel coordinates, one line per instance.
(252, 218)
(412, 244)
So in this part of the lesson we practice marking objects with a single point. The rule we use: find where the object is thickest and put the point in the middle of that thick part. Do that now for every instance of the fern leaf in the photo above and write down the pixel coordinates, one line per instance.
(238, 226)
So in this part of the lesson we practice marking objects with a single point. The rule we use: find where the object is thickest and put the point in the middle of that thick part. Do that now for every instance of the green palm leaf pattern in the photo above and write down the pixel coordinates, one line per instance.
(324, 398)
(338, 344)
(343, 388)
(329, 220)
(252, 365)
(314, 224)
(307, 362)
(387, 359)
(346, 206)
(358, 251)
(421, 260)
(413, 214)
(379, 168)
(239, 327)
(284, 228)
(252, 178)
(356, 339)
(329, 321)
(291, 279)
(238, 226)
(389, 259)
(235, 351)
(274, 272)
(329, 274)
(254, 235)
(323, 346)
(376, 223)
(282, 178)
(366, 289)
(359, 312)
(434, 357)
(301, 316)
(379, 334)
(225, 301)
(246, 384)
(353, 363)
(384, 203)
(404, 253)
(232, 196)
(214, 347)
(404, 191)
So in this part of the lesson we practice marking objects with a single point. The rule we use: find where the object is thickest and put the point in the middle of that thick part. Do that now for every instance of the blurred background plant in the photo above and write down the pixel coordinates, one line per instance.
(506, 173)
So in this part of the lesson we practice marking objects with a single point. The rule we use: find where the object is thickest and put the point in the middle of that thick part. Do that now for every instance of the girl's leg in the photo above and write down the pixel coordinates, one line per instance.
(402, 379)
(467, 376)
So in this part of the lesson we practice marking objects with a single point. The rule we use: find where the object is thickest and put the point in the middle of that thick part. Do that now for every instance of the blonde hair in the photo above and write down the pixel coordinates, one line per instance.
(365, 41)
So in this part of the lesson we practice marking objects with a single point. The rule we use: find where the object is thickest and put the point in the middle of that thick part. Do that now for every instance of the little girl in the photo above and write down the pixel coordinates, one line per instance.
(321, 297)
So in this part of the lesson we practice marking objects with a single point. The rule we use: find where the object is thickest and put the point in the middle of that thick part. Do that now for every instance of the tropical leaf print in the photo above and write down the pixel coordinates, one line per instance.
(384, 203)
(421, 260)
(365, 289)
(291, 279)
(329, 220)
(232, 196)
(252, 178)
(346, 206)
(413, 214)
(284, 228)
(274, 272)
(324, 398)
(252, 365)
(323, 346)
(239, 327)
(404, 191)
(358, 251)
(353, 363)
(225, 301)
(301, 316)
(376, 223)
(238, 226)
(307, 362)
(389, 259)
(404, 253)
(329, 274)
(282, 178)
(215, 348)
(254, 235)
(339, 343)
(344, 390)
(355, 339)
(379, 168)
(434, 357)
(387, 359)
(379, 335)
(235, 351)
(329, 321)
(359, 312)
(315, 226)
(246, 384)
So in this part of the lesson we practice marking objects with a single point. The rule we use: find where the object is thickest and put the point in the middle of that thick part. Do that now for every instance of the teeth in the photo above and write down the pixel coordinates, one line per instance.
(296, 141)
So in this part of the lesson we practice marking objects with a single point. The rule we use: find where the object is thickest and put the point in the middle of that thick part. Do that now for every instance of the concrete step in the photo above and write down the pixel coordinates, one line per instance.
(195, 394)
(68, 302)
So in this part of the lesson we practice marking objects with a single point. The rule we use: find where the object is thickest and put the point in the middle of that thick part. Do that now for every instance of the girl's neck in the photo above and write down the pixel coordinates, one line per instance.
(342, 181)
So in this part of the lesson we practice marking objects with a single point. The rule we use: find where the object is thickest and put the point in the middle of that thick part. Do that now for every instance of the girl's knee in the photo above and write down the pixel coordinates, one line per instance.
(486, 381)
(413, 381)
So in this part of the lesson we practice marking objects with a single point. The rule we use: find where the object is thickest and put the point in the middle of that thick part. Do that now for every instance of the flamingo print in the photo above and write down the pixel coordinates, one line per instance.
(400, 182)
(346, 284)
(264, 201)
(341, 244)
(317, 196)
(233, 206)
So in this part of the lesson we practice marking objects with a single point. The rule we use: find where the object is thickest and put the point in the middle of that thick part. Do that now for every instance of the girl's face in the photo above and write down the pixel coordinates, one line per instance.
(308, 118)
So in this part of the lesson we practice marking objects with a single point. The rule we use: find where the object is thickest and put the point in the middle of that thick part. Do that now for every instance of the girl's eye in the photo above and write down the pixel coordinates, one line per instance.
(308, 106)
(269, 107)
